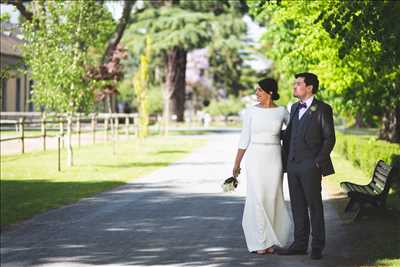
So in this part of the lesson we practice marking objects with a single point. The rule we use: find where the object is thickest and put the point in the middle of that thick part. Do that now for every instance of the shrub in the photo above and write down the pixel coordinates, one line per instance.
(230, 106)
(155, 100)
(365, 151)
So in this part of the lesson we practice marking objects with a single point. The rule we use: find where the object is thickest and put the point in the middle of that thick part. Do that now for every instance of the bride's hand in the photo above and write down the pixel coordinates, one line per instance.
(236, 171)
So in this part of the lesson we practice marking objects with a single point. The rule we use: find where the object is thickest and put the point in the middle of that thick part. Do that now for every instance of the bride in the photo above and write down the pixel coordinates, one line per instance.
(266, 222)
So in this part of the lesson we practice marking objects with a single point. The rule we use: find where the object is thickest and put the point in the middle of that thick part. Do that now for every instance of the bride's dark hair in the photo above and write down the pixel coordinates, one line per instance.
(270, 86)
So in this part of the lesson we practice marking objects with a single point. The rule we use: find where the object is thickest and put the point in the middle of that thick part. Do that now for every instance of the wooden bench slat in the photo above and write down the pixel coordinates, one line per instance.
(378, 183)
(358, 188)
(376, 188)
(381, 177)
(382, 164)
(369, 190)
(382, 170)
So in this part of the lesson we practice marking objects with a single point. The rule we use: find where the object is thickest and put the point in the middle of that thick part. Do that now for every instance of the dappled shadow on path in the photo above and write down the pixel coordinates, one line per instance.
(148, 224)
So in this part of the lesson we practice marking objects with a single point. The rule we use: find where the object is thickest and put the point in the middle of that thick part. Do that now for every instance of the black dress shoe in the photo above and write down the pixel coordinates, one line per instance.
(316, 254)
(291, 251)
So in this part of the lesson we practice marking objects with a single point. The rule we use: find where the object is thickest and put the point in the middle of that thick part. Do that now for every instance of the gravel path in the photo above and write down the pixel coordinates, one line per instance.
(176, 216)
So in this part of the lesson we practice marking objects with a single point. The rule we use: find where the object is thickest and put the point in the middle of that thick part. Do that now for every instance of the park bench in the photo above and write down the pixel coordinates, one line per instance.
(374, 193)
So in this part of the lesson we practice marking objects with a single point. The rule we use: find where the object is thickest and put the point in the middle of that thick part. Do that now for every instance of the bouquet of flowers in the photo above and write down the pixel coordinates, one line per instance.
(230, 184)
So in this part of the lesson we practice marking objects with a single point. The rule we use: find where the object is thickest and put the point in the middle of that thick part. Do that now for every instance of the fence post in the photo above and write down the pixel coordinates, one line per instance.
(44, 133)
(117, 126)
(59, 153)
(106, 126)
(62, 131)
(127, 126)
(158, 125)
(78, 128)
(134, 125)
(22, 133)
(94, 127)
(112, 120)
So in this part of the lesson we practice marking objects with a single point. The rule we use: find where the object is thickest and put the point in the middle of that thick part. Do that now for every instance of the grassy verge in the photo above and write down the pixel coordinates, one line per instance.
(31, 184)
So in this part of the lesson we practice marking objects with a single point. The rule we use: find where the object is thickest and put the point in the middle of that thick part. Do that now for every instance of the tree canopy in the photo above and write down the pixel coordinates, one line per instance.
(351, 45)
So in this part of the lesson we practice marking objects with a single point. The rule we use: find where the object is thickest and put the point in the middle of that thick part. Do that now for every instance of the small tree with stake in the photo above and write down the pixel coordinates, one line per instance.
(58, 37)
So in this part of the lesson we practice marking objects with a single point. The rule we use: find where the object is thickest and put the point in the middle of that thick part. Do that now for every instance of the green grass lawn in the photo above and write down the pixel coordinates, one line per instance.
(31, 183)
(382, 244)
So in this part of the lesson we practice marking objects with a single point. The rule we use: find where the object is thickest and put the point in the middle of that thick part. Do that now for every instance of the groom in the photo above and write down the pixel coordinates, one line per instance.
(307, 142)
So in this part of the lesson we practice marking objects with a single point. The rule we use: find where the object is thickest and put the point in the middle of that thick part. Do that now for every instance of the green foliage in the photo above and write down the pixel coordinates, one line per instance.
(141, 84)
(368, 37)
(190, 25)
(227, 51)
(364, 152)
(351, 45)
(155, 100)
(5, 17)
(169, 26)
(154, 95)
(125, 89)
(230, 106)
(58, 39)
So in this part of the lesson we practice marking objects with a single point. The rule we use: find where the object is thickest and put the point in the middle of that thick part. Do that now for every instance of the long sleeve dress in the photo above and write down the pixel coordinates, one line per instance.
(266, 219)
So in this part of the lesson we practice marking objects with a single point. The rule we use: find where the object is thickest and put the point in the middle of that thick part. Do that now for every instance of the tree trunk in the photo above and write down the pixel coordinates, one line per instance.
(359, 120)
(70, 158)
(166, 113)
(119, 32)
(109, 104)
(176, 80)
(390, 129)
(235, 87)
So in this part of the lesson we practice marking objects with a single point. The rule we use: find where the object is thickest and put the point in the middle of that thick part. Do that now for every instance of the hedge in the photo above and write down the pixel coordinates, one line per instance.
(365, 151)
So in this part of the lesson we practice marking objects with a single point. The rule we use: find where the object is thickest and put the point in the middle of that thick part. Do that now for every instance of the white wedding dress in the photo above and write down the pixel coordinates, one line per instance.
(266, 220)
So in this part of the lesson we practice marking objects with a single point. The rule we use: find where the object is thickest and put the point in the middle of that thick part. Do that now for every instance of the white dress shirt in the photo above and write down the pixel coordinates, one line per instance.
(308, 103)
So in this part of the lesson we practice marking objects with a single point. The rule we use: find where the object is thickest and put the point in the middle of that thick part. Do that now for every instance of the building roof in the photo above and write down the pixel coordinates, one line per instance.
(10, 45)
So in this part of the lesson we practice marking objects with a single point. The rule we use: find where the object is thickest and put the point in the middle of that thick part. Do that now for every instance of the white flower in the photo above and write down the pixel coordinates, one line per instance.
(313, 108)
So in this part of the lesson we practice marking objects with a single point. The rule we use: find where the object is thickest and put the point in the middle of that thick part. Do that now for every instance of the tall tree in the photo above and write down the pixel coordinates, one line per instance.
(177, 27)
(227, 53)
(365, 31)
(109, 61)
(57, 53)
(350, 44)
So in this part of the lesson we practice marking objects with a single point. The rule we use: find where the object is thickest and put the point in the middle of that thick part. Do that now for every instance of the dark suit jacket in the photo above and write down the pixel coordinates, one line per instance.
(319, 135)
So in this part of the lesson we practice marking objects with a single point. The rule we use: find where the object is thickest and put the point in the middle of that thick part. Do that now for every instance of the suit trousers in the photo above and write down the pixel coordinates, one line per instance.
(304, 180)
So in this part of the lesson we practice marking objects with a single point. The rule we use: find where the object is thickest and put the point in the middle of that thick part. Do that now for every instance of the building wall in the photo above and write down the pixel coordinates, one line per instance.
(15, 93)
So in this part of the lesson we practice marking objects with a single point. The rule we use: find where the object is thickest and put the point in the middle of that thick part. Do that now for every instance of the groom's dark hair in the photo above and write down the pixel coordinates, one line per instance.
(309, 79)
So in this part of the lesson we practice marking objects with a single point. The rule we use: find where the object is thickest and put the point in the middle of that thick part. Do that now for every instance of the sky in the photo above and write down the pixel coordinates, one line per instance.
(115, 7)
